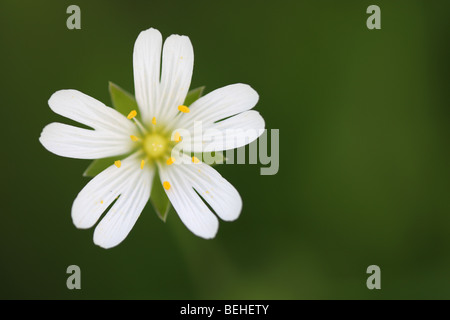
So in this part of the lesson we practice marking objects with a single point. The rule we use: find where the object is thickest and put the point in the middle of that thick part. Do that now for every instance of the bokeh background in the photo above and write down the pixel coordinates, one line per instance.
(364, 151)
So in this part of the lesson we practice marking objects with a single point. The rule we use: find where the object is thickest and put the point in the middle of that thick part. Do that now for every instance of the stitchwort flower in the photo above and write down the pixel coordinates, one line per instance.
(143, 141)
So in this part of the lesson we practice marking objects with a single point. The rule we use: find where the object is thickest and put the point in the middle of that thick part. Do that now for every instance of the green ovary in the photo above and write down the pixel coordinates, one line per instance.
(155, 145)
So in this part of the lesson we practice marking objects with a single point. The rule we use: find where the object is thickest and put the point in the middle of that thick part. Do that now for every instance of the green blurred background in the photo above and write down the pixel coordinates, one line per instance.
(364, 155)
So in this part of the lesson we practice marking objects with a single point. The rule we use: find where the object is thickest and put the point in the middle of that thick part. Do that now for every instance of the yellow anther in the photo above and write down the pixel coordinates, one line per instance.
(101, 202)
(170, 161)
(166, 185)
(117, 163)
(134, 138)
(132, 114)
(154, 120)
(195, 160)
(142, 164)
(184, 109)
(177, 137)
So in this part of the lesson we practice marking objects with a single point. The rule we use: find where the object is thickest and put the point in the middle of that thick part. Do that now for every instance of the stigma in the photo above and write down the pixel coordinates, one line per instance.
(155, 145)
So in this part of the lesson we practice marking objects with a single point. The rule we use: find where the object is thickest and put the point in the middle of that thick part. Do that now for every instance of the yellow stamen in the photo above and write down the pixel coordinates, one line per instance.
(166, 185)
(170, 161)
(142, 164)
(195, 160)
(184, 109)
(140, 126)
(101, 202)
(117, 163)
(154, 120)
(132, 114)
(177, 137)
(134, 138)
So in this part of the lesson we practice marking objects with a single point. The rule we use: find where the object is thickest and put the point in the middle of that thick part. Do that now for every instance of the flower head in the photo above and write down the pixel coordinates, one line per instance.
(151, 139)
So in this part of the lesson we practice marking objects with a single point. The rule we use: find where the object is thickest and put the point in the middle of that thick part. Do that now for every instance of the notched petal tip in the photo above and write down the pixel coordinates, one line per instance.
(98, 241)
(248, 92)
(46, 138)
(207, 235)
(150, 34)
(80, 221)
(152, 30)
(179, 44)
(261, 124)
(235, 212)
(80, 225)
(61, 96)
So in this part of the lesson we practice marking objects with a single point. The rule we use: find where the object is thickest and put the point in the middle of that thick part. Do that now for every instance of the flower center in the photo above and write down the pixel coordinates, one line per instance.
(155, 145)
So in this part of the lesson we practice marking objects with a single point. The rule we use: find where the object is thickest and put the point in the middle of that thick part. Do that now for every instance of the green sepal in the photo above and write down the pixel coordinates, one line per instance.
(122, 100)
(98, 165)
(193, 95)
(159, 199)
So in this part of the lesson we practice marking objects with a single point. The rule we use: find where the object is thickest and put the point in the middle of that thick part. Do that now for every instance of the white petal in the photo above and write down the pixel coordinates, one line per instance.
(110, 137)
(212, 187)
(84, 109)
(227, 134)
(146, 66)
(74, 142)
(120, 219)
(219, 104)
(231, 133)
(129, 182)
(192, 211)
(176, 74)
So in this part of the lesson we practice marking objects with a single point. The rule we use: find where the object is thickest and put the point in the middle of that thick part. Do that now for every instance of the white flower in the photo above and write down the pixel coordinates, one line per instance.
(150, 142)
